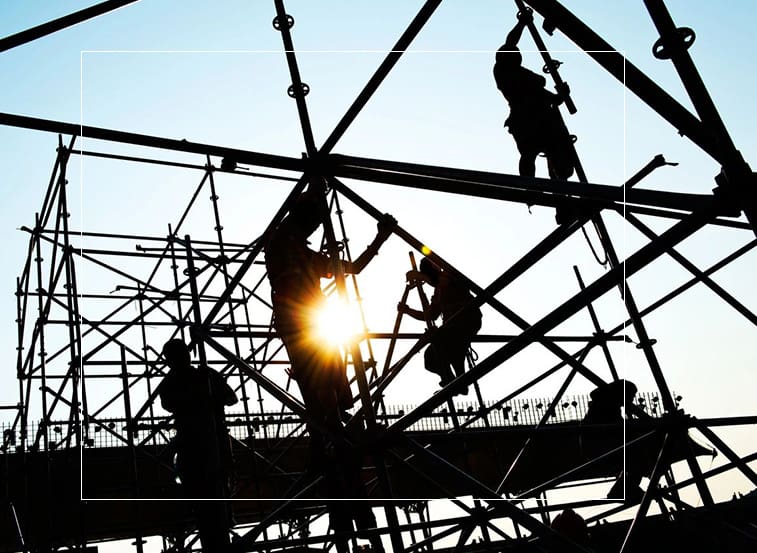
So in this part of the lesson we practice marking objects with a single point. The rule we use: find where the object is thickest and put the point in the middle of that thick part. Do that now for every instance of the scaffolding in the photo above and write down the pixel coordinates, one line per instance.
(88, 366)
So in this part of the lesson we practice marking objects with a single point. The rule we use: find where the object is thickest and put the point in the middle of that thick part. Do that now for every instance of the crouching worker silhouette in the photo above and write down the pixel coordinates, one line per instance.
(534, 120)
(607, 407)
(573, 526)
(196, 397)
(452, 341)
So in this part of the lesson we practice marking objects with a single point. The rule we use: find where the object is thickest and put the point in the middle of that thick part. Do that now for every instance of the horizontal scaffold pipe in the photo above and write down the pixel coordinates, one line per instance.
(141, 237)
(532, 190)
(141, 362)
(99, 133)
(678, 215)
(480, 338)
(167, 163)
(148, 297)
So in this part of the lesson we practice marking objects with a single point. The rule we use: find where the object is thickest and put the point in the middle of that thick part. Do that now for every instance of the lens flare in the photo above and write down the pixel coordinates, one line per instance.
(337, 322)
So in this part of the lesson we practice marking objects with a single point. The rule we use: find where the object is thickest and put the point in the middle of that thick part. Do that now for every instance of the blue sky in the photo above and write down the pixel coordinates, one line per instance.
(214, 72)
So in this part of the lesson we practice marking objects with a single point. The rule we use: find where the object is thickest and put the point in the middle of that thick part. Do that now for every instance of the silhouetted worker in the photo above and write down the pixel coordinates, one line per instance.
(534, 120)
(343, 513)
(452, 342)
(573, 526)
(295, 273)
(196, 397)
(608, 403)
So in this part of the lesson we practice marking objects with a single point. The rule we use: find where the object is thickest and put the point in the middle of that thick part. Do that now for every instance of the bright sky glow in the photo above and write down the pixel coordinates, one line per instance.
(337, 321)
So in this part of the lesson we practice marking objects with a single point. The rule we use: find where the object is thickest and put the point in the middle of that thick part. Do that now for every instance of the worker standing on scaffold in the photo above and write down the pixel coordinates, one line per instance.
(197, 397)
(534, 119)
(452, 342)
(295, 272)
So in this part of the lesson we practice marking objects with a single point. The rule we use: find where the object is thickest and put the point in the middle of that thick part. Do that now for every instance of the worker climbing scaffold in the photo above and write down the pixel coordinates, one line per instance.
(451, 344)
(534, 119)
(295, 273)
(197, 397)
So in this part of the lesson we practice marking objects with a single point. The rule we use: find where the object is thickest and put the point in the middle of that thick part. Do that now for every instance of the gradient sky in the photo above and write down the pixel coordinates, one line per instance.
(213, 72)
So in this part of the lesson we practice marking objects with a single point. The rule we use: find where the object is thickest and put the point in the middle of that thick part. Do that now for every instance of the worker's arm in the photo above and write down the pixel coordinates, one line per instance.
(167, 403)
(553, 99)
(229, 397)
(414, 313)
(169, 394)
(434, 307)
(385, 227)
(221, 389)
(432, 313)
(513, 37)
(415, 276)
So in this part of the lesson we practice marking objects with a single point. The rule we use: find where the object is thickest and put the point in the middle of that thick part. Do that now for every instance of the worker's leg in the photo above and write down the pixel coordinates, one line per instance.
(528, 142)
(340, 520)
(456, 351)
(527, 164)
(558, 146)
(315, 425)
(212, 517)
(560, 163)
(458, 339)
(365, 520)
(436, 363)
(458, 359)
(213, 525)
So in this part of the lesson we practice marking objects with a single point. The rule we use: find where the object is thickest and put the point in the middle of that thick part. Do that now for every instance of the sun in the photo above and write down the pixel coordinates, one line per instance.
(337, 322)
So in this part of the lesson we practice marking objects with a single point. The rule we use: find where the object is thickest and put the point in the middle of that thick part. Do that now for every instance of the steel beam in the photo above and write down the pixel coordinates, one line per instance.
(688, 284)
(739, 178)
(168, 163)
(483, 295)
(532, 190)
(99, 133)
(536, 331)
(727, 451)
(507, 508)
(61, 23)
(255, 250)
(298, 90)
(597, 328)
(378, 77)
(624, 71)
(698, 273)
(645, 343)
(657, 472)
(677, 51)
(269, 386)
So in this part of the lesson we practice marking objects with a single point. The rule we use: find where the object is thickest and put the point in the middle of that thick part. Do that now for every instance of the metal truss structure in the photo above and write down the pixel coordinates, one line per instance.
(88, 369)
